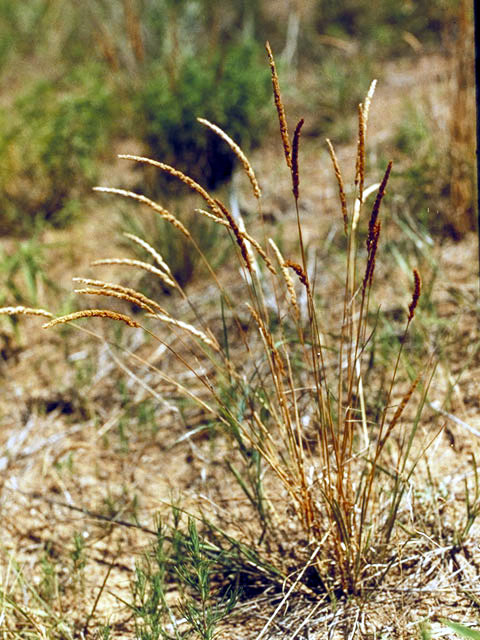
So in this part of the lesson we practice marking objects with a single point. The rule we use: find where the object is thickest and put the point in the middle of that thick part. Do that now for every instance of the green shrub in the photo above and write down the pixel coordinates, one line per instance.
(229, 90)
(49, 147)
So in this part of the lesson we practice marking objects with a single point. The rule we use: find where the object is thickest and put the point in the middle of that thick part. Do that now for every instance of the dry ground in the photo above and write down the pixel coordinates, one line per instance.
(74, 454)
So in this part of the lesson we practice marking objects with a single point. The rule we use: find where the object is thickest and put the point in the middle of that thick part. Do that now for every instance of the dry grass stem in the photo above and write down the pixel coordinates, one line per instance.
(237, 233)
(141, 265)
(208, 340)
(24, 311)
(93, 313)
(175, 173)
(287, 277)
(238, 152)
(260, 250)
(268, 340)
(341, 185)
(282, 119)
(400, 409)
(166, 215)
(246, 236)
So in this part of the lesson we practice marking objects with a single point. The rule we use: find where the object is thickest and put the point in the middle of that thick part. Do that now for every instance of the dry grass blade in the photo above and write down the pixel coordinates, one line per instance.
(93, 313)
(208, 340)
(238, 152)
(212, 216)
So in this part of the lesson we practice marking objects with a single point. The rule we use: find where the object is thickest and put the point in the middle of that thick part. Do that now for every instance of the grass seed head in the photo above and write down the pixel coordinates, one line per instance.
(166, 215)
(24, 311)
(295, 174)
(417, 288)
(238, 152)
(175, 173)
(282, 119)
(300, 271)
(341, 185)
(93, 313)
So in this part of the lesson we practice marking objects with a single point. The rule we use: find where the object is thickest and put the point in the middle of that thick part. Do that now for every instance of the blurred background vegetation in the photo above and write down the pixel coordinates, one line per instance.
(82, 76)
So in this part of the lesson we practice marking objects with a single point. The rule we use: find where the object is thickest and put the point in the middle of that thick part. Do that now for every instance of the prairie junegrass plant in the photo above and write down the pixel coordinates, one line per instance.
(292, 398)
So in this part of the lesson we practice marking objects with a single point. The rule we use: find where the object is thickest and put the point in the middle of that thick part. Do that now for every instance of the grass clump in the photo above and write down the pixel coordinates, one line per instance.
(293, 401)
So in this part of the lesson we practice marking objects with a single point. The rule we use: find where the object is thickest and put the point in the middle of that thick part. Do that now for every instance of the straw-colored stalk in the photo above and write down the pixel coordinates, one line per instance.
(208, 340)
(287, 277)
(268, 339)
